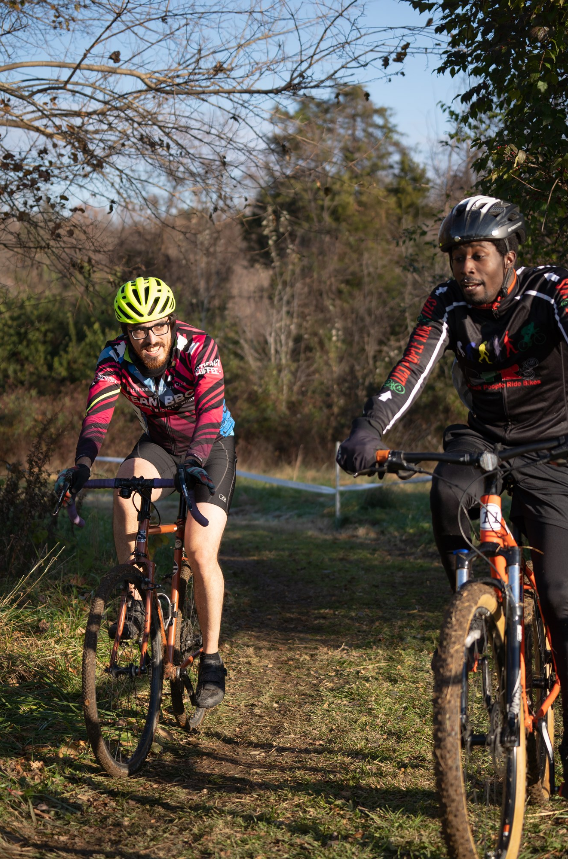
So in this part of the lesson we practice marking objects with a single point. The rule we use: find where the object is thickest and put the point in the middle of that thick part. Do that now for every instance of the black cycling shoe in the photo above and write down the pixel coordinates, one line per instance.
(210, 684)
(133, 623)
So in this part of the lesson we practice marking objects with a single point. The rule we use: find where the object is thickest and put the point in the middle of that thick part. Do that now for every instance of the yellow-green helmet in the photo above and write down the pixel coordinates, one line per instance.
(143, 300)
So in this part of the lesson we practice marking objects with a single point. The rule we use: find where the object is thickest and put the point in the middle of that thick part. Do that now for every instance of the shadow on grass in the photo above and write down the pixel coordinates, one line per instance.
(330, 590)
(288, 591)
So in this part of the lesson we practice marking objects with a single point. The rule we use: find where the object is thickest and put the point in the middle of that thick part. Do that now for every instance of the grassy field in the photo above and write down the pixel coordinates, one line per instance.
(322, 746)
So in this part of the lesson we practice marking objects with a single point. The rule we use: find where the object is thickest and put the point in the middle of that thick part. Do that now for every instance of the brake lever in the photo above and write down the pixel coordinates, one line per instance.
(190, 499)
(378, 470)
(61, 497)
(65, 499)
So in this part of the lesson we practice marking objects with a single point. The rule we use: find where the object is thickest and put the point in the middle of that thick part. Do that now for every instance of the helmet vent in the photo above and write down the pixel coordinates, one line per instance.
(496, 210)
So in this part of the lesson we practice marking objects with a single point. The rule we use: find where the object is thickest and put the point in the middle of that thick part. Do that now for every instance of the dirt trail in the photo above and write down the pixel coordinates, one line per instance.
(321, 747)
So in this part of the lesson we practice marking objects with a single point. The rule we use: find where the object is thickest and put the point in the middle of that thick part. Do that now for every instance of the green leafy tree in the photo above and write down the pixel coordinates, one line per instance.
(515, 56)
(336, 226)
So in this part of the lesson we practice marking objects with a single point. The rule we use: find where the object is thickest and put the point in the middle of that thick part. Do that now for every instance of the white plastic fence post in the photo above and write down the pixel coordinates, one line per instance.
(337, 492)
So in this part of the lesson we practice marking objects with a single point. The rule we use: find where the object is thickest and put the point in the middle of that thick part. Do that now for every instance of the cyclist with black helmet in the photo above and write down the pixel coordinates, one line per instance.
(172, 375)
(508, 330)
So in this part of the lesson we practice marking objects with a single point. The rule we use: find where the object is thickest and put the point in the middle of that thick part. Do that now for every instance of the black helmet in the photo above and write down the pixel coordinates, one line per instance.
(481, 219)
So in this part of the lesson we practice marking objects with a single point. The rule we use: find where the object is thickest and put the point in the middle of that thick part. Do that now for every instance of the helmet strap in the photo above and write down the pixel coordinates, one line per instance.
(507, 280)
(508, 273)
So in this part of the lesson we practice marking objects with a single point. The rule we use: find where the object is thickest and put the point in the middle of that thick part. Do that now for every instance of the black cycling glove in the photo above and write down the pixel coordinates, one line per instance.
(358, 452)
(195, 473)
(78, 474)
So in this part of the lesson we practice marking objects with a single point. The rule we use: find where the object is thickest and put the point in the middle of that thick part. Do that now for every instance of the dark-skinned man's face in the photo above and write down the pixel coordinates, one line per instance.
(479, 270)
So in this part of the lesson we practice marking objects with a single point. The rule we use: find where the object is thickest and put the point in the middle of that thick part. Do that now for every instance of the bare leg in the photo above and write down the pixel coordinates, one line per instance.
(202, 548)
(125, 516)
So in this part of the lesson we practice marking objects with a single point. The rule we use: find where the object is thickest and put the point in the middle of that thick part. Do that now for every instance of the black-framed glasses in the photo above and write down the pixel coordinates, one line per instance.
(157, 330)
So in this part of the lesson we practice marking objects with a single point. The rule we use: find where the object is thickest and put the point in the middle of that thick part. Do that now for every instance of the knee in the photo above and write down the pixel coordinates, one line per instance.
(443, 499)
(201, 558)
(554, 601)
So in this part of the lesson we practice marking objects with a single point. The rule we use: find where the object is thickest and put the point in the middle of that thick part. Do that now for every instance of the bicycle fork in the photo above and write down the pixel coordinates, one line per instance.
(500, 547)
(504, 555)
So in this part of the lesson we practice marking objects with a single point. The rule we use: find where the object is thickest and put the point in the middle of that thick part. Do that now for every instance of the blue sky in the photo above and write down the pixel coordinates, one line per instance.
(413, 98)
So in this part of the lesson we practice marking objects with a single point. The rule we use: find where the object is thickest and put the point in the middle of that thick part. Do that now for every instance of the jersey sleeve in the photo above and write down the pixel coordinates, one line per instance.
(559, 278)
(406, 380)
(209, 397)
(101, 401)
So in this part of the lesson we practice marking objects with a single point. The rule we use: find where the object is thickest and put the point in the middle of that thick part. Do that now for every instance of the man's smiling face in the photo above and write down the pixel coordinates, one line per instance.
(479, 270)
(153, 349)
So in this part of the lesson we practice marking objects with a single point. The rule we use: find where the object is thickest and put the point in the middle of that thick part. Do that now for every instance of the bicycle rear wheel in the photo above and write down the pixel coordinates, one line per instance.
(539, 682)
(121, 709)
(188, 641)
(481, 781)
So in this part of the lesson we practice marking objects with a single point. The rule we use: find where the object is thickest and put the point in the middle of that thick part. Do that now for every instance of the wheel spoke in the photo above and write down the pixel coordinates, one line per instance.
(188, 642)
(121, 701)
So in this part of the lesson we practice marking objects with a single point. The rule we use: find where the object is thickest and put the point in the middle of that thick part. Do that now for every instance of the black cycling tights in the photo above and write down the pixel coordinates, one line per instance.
(550, 568)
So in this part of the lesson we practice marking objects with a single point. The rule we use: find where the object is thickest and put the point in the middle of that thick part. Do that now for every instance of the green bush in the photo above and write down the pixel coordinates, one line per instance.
(26, 503)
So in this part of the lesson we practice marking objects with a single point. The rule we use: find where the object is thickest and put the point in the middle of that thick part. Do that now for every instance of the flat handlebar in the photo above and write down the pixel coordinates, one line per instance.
(486, 460)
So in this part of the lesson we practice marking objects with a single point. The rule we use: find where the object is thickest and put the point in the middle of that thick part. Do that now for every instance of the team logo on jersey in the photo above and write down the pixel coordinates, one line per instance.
(520, 375)
(212, 368)
(394, 386)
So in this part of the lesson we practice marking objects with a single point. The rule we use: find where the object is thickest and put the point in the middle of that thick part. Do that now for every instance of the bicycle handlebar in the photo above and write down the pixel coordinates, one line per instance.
(135, 484)
(488, 460)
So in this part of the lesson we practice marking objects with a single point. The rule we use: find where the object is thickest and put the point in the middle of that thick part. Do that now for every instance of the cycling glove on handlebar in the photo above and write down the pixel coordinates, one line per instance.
(358, 451)
(194, 473)
(77, 474)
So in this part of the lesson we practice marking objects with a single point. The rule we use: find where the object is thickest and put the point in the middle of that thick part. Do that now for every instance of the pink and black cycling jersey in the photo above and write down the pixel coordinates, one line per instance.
(183, 410)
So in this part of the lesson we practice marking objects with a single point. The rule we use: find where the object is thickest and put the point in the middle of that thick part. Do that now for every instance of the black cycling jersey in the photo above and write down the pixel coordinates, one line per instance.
(511, 355)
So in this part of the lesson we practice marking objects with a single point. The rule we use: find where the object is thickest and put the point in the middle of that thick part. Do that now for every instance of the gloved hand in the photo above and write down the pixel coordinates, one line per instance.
(357, 452)
(195, 473)
(79, 474)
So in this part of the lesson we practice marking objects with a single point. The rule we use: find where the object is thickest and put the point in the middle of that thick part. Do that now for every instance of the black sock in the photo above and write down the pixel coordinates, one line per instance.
(212, 658)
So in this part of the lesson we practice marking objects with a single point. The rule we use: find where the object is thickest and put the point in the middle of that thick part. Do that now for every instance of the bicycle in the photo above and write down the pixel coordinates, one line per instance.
(122, 680)
(495, 680)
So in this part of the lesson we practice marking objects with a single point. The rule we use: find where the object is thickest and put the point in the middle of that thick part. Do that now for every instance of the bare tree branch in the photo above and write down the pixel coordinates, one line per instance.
(138, 103)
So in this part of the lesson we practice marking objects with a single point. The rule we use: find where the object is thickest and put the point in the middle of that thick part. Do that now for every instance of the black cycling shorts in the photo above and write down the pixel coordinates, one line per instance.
(221, 467)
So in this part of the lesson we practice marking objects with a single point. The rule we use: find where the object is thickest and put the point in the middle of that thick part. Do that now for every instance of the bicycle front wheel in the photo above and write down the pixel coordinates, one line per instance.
(480, 778)
(188, 641)
(121, 704)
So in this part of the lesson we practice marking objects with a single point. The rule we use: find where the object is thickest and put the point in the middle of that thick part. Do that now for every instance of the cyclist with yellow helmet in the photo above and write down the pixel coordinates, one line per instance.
(172, 375)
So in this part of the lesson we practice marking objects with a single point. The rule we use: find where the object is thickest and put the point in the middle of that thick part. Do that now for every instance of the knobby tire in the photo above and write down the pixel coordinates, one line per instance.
(188, 639)
(539, 681)
(481, 784)
(121, 713)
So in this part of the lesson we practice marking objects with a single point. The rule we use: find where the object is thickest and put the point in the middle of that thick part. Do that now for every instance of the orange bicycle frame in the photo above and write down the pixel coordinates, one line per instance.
(494, 530)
